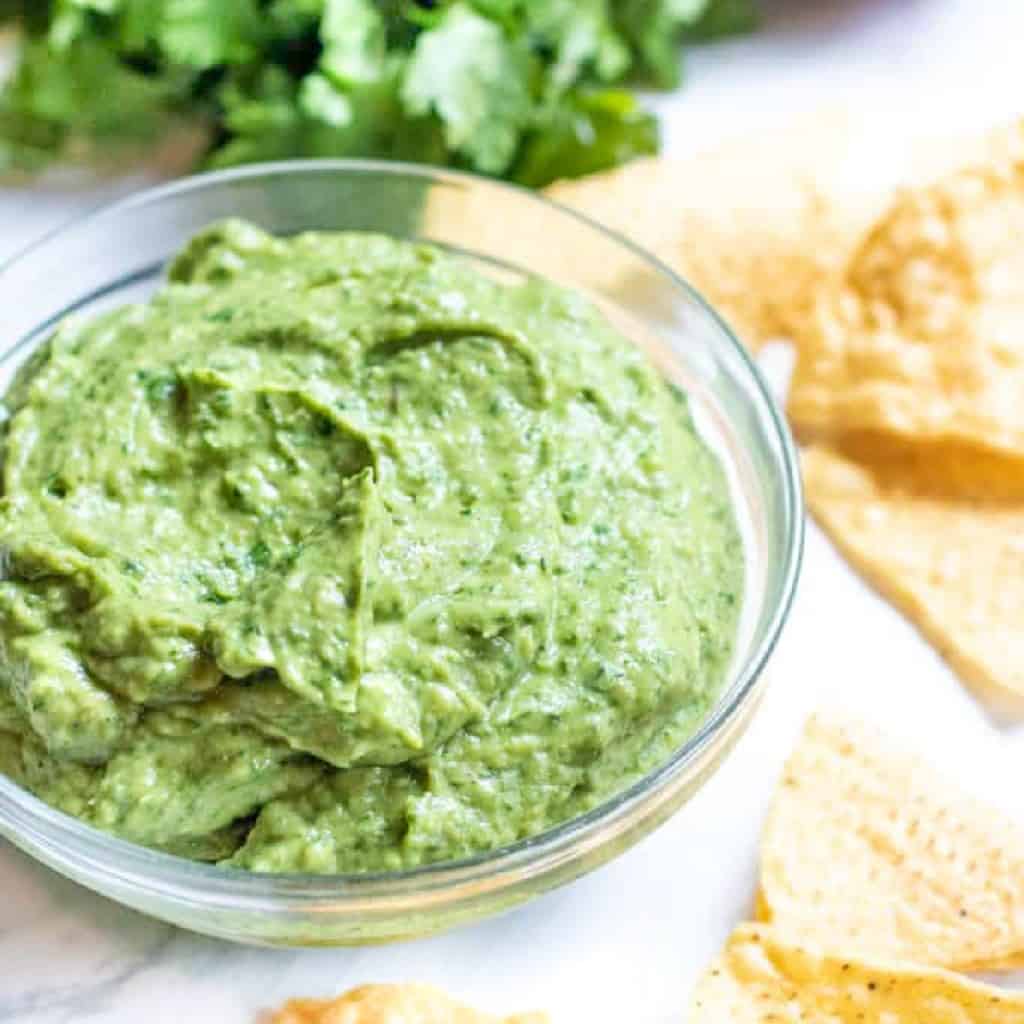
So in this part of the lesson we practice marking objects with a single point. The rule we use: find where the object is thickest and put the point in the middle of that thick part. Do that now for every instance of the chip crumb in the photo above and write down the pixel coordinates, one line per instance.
(391, 1004)
(929, 875)
(761, 976)
(937, 529)
(919, 336)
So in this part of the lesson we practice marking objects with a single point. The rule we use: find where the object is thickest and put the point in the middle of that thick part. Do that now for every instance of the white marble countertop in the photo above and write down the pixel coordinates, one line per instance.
(625, 943)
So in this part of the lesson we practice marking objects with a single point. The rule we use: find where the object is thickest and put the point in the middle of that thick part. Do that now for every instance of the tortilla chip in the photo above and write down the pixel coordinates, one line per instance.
(922, 336)
(391, 1004)
(753, 240)
(939, 530)
(868, 852)
(761, 977)
(762, 223)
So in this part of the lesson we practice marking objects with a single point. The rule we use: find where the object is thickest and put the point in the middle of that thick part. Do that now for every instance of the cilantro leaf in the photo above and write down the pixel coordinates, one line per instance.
(270, 116)
(205, 33)
(475, 80)
(295, 17)
(83, 91)
(262, 118)
(654, 28)
(352, 32)
(520, 88)
(725, 18)
(581, 36)
(592, 131)
(321, 100)
(138, 24)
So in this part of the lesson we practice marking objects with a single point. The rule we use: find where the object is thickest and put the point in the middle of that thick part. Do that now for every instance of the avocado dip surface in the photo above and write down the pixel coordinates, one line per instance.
(338, 555)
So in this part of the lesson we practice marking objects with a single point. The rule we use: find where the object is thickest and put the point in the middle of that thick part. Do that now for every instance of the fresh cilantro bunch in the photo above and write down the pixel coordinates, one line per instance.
(525, 89)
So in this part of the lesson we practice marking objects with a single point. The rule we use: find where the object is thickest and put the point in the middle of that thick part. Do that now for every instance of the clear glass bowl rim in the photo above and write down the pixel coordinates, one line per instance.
(121, 861)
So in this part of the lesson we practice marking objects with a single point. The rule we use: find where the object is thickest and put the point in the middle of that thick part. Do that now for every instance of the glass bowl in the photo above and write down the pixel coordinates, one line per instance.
(117, 255)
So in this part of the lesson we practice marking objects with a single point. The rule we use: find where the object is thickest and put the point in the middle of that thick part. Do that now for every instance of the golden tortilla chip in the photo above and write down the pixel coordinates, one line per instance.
(761, 977)
(762, 223)
(754, 241)
(922, 336)
(869, 852)
(391, 1004)
(939, 530)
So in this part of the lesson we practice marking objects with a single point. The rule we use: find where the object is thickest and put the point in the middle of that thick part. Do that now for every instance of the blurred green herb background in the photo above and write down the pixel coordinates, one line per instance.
(530, 90)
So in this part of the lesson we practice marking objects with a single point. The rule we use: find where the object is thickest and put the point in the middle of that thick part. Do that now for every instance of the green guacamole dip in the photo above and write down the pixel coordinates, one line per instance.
(338, 555)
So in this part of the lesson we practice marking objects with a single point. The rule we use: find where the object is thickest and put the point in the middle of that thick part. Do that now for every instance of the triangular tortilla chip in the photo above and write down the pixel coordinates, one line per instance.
(748, 224)
(761, 223)
(760, 977)
(867, 852)
(939, 530)
(921, 337)
(391, 1004)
